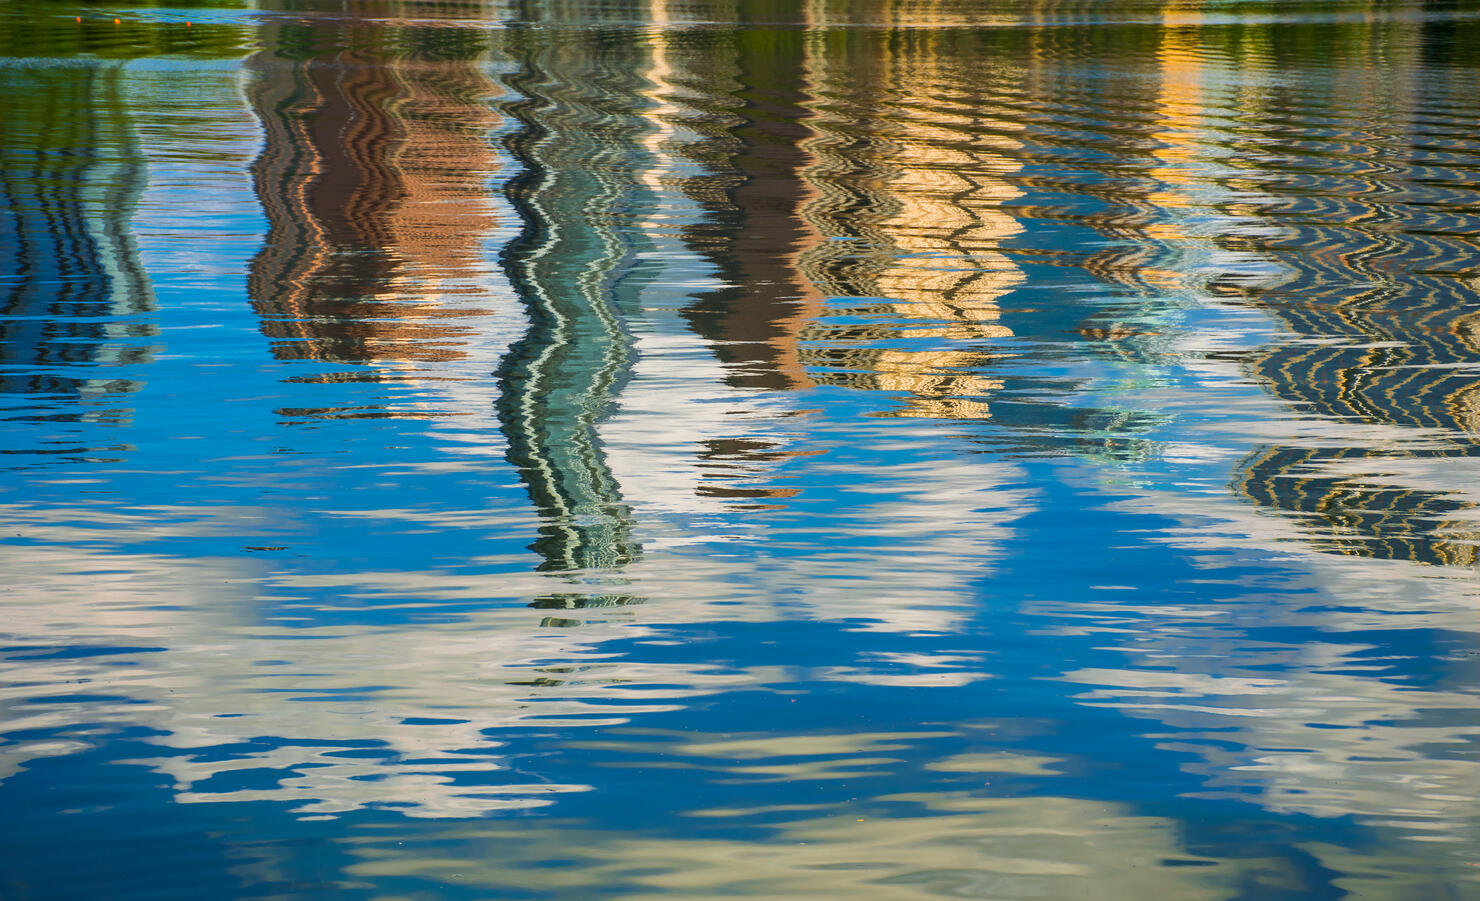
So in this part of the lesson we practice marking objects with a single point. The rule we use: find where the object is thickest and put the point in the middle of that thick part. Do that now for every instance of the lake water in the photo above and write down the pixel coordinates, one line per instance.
(696, 449)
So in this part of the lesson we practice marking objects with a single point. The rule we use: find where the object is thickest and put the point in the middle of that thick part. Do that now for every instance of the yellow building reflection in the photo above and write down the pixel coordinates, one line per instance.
(914, 207)
(862, 175)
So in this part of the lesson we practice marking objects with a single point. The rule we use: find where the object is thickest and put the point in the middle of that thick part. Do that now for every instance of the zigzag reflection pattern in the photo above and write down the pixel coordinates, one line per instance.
(1380, 289)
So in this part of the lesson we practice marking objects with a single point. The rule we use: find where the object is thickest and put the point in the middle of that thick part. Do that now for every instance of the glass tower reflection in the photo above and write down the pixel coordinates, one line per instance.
(572, 268)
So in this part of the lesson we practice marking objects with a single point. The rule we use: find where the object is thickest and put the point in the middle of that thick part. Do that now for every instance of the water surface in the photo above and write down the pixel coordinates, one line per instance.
(724, 448)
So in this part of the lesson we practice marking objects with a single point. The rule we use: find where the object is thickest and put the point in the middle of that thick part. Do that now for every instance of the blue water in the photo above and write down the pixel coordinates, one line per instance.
(732, 448)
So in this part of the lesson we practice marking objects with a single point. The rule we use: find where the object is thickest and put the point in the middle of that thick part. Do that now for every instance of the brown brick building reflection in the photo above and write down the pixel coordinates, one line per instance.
(372, 176)
(754, 113)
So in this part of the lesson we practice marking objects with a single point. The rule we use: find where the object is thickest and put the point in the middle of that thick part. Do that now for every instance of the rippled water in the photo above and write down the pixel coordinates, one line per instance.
(709, 448)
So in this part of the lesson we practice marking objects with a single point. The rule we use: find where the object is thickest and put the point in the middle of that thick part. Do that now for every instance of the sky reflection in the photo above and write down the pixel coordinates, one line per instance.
(698, 449)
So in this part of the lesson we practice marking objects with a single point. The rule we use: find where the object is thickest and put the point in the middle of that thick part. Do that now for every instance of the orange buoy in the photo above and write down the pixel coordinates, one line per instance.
(115, 22)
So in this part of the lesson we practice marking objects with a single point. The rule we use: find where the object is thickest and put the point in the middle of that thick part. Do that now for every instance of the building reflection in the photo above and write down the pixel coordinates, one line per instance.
(914, 205)
(866, 197)
(74, 296)
(372, 177)
(753, 188)
(851, 189)
(867, 202)
(1378, 296)
(1146, 200)
(826, 179)
(572, 266)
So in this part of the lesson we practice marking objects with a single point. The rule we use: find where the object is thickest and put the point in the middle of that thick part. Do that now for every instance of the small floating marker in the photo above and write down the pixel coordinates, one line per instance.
(79, 18)
(116, 22)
